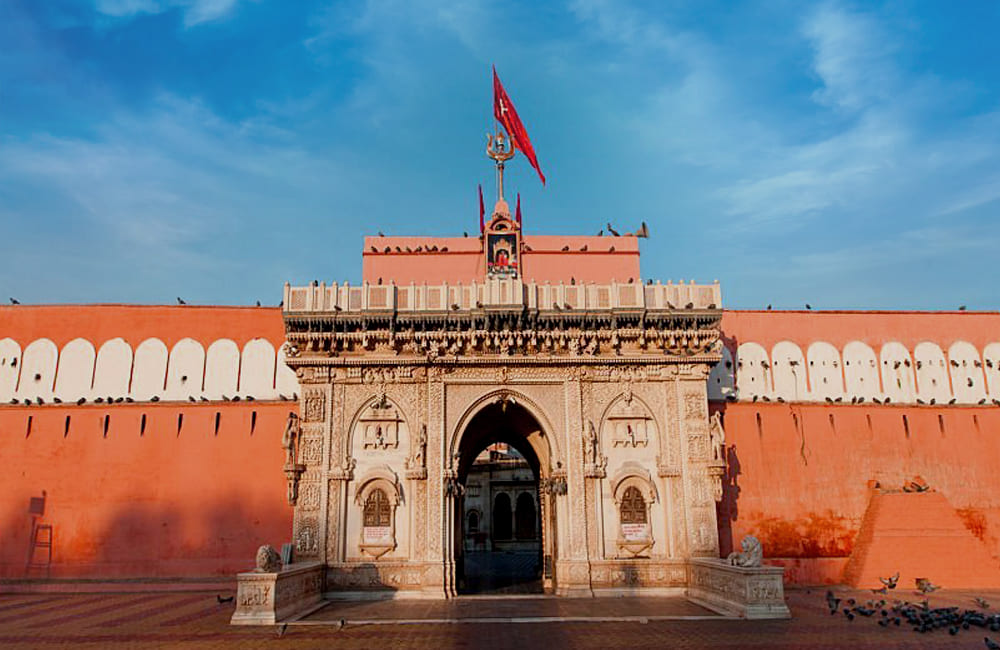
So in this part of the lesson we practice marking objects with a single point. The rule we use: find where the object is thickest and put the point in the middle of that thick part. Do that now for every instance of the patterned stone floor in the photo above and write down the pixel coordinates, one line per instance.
(197, 620)
(502, 573)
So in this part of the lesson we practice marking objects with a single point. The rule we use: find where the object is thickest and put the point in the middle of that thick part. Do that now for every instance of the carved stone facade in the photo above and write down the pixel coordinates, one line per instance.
(612, 403)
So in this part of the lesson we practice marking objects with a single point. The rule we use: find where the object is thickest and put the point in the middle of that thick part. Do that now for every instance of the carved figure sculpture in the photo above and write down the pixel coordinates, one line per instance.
(751, 556)
(591, 448)
(268, 560)
(420, 453)
(290, 439)
(717, 439)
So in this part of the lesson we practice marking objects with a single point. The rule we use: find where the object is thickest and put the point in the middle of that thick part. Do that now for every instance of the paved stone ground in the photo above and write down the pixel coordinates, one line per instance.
(197, 620)
(500, 572)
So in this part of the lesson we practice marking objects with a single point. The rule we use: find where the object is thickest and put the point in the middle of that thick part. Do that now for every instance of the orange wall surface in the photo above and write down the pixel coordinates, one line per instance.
(798, 481)
(166, 502)
(871, 327)
(135, 323)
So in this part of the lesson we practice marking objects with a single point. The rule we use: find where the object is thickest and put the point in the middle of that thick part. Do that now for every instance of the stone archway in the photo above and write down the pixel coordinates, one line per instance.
(510, 563)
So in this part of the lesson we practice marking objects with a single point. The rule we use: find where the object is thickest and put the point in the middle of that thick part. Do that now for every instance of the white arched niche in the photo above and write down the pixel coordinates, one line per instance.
(10, 368)
(789, 371)
(932, 373)
(286, 383)
(257, 370)
(968, 381)
(75, 374)
(897, 373)
(222, 369)
(185, 370)
(861, 372)
(150, 370)
(38, 372)
(753, 374)
(722, 379)
(991, 359)
(113, 370)
(826, 379)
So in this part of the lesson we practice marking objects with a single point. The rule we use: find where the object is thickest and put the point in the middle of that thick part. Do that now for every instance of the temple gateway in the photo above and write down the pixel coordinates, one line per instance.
(561, 364)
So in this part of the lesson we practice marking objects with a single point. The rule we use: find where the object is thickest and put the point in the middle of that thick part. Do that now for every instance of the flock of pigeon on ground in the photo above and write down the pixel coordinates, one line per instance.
(920, 617)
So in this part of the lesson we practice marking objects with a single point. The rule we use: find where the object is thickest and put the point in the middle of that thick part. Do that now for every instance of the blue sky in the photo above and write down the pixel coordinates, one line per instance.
(844, 155)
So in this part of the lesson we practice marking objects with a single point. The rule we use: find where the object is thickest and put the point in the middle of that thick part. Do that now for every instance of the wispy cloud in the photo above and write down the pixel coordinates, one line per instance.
(196, 12)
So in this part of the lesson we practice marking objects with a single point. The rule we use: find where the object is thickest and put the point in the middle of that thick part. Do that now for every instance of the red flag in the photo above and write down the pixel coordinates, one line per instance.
(518, 213)
(482, 211)
(504, 111)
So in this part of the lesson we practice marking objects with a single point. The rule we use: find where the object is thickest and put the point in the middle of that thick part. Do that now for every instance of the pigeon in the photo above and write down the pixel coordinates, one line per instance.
(583, 249)
(180, 301)
(15, 301)
(222, 600)
(991, 644)
(465, 234)
(808, 306)
(643, 231)
(769, 307)
(191, 398)
(961, 308)
(565, 248)
(613, 231)
(374, 250)
(154, 398)
(380, 234)
(925, 586)
(611, 249)
(891, 581)
(600, 233)
(258, 303)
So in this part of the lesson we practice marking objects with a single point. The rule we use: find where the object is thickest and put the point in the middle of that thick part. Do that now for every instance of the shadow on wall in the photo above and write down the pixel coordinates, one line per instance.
(220, 537)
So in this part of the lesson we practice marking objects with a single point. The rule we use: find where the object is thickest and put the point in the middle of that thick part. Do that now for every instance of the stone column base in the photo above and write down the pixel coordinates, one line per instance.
(269, 598)
(747, 592)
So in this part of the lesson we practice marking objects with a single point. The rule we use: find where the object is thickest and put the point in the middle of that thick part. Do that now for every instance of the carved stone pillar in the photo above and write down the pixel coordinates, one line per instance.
(692, 396)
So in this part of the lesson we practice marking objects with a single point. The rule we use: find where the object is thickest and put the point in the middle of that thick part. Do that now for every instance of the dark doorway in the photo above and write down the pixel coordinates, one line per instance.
(499, 547)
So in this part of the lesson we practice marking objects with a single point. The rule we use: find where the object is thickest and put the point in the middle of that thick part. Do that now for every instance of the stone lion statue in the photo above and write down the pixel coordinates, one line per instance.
(268, 560)
(752, 554)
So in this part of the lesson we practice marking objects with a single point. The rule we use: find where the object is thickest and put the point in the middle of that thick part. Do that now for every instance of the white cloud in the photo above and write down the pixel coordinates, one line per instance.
(196, 12)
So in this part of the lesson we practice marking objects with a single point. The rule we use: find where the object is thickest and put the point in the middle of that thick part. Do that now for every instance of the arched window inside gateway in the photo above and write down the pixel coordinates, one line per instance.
(501, 516)
(525, 516)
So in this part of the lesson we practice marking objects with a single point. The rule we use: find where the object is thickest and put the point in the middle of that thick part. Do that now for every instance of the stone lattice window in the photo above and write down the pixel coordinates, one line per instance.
(378, 511)
(633, 507)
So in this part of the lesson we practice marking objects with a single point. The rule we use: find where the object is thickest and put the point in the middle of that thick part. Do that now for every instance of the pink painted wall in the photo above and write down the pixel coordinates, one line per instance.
(543, 259)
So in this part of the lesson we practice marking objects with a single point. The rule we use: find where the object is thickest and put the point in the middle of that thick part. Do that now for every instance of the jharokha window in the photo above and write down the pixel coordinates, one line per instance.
(378, 512)
(633, 508)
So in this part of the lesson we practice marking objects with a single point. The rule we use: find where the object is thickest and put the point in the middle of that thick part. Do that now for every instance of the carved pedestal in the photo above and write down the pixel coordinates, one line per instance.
(269, 598)
(747, 592)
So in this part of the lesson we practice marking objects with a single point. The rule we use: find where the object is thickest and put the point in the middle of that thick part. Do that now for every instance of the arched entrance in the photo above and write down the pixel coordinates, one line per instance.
(504, 532)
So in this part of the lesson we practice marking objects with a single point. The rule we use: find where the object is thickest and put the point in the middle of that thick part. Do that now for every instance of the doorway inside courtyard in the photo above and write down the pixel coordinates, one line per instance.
(503, 520)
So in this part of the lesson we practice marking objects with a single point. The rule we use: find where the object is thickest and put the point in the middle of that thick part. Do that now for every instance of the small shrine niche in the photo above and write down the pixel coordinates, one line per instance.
(628, 424)
(379, 425)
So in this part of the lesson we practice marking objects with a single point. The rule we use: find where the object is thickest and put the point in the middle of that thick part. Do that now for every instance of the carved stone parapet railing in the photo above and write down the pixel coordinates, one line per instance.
(463, 336)
(500, 293)
(267, 598)
(747, 592)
